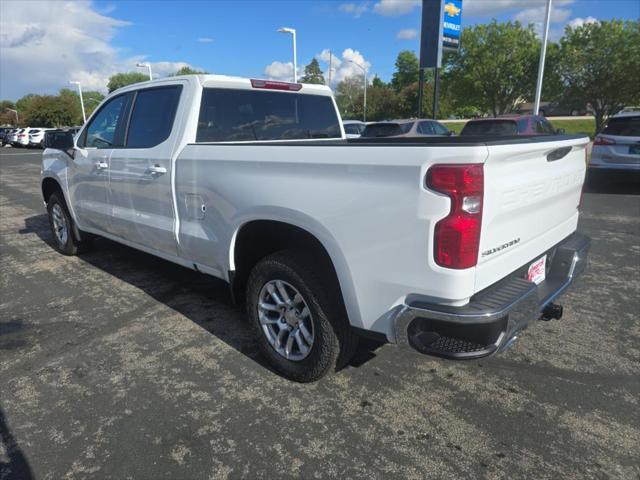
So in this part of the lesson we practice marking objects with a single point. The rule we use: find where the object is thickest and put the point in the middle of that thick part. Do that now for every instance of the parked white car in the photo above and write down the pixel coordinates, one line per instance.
(36, 137)
(444, 245)
(23, 137)
(617, 147)
(12, 138)
(353, 128)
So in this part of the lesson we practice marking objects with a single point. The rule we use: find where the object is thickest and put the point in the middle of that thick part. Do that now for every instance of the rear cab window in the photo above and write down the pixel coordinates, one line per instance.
(232, 115)
(623, 126)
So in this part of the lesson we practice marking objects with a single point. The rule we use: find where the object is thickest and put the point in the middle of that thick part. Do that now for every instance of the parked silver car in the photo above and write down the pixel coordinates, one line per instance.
(617, 147)
(414, 127)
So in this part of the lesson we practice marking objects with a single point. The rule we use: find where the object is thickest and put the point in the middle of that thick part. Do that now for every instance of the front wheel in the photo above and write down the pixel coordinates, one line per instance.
(62, 227)
(298, 316)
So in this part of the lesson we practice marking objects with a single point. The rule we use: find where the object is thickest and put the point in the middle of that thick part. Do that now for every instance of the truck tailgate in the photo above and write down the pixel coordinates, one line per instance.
(531, 197)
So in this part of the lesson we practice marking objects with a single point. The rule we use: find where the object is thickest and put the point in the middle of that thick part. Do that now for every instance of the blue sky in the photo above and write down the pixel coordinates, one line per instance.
(47, 43)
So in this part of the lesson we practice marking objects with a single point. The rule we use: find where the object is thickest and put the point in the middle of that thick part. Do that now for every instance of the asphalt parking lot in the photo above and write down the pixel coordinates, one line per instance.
(116, 364)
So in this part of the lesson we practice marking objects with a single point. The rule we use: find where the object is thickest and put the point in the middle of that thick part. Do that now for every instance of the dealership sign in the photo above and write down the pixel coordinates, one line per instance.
(441, 26)
(451, 22)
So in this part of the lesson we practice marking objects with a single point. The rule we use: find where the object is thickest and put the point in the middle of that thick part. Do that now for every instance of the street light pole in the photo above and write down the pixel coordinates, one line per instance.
(84, 116)
(543, 52)
(292, 31)
(364, 73)
(146, 65)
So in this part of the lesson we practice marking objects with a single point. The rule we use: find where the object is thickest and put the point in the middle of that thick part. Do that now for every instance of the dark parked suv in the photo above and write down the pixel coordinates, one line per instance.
(510, 125)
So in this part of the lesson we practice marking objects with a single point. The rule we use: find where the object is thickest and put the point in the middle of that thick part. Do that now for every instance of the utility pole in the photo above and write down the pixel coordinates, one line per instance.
(330, 67)
(292, 31)
(84, 116)
(146, 65)
(543, 52)
(420, 90)
(436, 88)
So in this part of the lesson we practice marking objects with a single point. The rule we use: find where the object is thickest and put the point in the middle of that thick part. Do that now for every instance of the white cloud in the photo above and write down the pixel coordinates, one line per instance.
(407, 34)
(392, 8)
(164, 69)
(279, 71)
(354, 9)
(46, 44)
(343, 67)
(536, 15)
(205, 39)
(579, 21)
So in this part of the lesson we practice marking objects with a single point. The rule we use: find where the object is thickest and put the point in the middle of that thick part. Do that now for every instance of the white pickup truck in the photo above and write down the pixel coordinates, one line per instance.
(449, 246)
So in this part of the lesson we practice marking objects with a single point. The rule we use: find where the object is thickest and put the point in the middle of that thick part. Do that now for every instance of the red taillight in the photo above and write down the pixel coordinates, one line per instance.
(603, 141)
(275, 85)
(457, 236)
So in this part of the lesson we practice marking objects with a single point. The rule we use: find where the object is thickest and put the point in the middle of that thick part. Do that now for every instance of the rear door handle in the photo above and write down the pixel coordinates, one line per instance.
(157, 170)
(102, 165)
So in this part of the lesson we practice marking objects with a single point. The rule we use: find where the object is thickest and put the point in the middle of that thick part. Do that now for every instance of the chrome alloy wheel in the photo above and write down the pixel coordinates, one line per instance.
(60, 227)
(285, 320)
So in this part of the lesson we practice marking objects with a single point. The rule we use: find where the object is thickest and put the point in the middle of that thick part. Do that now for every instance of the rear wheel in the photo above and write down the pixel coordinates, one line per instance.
(61, 223)
(298, 316)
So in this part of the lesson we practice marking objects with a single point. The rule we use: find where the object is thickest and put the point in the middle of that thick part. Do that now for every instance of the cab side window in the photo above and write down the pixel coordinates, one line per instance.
(154, 111)
(104, 131)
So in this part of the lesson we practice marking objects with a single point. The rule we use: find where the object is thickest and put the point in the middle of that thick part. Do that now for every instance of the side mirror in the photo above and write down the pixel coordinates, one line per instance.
(58, 140)
(560, 131)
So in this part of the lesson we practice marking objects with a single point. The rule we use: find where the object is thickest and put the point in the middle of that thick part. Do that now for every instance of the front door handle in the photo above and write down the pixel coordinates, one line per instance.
(102, 165)
(157, 170)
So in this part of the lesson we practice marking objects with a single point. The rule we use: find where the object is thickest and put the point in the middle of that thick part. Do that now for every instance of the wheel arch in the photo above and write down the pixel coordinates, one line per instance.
(50, 185)
(256, 238)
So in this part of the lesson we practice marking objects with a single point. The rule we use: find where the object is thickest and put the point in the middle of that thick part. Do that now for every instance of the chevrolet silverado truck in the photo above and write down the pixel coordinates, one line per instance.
(449, 246)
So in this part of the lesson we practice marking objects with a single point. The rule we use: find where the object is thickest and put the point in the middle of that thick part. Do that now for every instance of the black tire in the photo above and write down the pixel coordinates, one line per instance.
(334, 342)
(69, 244)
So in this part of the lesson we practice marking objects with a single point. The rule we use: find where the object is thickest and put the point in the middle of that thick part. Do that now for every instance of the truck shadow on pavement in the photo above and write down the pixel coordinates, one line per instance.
(13, 464)
(201, 298)
(620, 183)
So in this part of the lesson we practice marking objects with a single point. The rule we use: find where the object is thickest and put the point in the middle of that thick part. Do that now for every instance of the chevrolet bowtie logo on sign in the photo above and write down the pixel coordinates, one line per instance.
(451, 24)
(451, 9)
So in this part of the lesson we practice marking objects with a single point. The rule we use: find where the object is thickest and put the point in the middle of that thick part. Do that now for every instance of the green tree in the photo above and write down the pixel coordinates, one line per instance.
(495, 66)
(378, 82)
(120, 80)
(349, 97)
(91, 98)
(599, 65)
(188, 71)
(52, 111)
(313, 74)
(382, 102)
(22, 105)
(407, 70)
